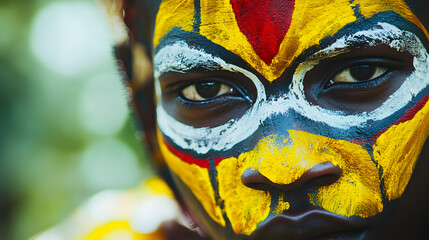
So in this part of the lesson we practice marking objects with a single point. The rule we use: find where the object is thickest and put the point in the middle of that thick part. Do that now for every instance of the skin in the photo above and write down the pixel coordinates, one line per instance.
(287, 126)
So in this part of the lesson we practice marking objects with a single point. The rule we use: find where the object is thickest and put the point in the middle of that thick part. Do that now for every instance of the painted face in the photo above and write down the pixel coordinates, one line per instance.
(290, 118)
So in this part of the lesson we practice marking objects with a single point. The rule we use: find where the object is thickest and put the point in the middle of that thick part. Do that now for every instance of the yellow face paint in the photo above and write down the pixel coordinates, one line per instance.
(398, 149)
(173, 13)
(196, 178)
(281, 205)
(219, 25)
(245, 207)
(311, 22)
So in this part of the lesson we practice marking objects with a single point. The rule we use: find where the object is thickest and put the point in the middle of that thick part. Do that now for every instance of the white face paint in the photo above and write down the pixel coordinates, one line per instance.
(180, 57)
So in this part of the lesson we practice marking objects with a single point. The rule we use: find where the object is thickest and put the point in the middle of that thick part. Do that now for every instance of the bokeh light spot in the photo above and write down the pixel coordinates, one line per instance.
(70, 37)
(109, 163)
(104, 108)
(117, 234)
(152, 212)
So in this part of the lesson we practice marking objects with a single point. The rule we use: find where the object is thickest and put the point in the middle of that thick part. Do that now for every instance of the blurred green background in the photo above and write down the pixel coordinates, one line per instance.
(65, 127)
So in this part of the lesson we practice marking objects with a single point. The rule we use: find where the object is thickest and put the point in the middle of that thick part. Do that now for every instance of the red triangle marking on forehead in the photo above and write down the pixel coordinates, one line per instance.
(264, 23)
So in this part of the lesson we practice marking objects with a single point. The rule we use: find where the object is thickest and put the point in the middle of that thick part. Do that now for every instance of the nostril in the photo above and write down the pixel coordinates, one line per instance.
(259, 186)
(324, 180)
(254, 179)
(321, 174)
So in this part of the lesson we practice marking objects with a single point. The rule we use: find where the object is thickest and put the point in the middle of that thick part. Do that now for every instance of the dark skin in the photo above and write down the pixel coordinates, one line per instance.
(402, 218)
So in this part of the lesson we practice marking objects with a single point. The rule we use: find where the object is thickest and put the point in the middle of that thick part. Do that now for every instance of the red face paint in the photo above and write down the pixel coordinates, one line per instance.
(264, 23)
(204, 163)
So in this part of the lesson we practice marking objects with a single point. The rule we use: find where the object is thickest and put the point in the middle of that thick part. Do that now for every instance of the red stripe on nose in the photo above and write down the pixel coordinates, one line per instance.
(264, 23)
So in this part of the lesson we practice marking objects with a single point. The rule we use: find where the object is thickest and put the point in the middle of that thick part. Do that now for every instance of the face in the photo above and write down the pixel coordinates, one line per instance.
(299, 119)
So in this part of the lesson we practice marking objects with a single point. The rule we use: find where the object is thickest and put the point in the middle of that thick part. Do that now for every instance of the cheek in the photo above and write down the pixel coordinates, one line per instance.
(197, 178)
(245, 207)
(398, 148)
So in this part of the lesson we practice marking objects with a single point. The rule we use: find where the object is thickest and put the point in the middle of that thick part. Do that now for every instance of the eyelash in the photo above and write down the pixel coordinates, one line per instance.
(174, 91)
(197, 89)
(347, 71)
(203, 105)
(237, 90)
(387, 64)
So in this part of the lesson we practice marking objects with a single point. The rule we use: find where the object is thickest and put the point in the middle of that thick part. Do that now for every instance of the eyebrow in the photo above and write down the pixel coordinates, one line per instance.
(180, 57)
(381, 33)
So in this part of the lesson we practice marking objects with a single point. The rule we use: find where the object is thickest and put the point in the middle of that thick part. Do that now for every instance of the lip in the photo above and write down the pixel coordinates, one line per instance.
(313, 224)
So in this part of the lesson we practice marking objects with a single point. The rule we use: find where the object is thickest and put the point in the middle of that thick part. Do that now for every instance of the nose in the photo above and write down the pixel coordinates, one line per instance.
(321, 174)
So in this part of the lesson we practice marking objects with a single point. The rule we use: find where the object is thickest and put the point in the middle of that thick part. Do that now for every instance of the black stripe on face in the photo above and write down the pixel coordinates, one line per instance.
(356, 10)
(197, 16)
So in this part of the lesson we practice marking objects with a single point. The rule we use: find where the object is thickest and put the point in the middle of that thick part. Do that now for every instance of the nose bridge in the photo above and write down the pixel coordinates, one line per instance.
(284, 160)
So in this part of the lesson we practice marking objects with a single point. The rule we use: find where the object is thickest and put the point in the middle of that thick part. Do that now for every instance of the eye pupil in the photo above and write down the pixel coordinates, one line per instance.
(362, 72)
(208, 89)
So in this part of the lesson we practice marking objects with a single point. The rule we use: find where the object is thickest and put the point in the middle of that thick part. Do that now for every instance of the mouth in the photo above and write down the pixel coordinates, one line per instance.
(313, 224)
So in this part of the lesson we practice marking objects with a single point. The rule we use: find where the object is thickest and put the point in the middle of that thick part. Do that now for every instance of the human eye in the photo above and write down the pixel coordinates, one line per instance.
(203, 98)
(358, 73)
(361, 73)
(357, 81)
(207, 90)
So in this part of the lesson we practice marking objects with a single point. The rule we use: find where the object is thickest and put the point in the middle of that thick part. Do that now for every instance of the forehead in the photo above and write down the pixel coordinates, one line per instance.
(271, 35)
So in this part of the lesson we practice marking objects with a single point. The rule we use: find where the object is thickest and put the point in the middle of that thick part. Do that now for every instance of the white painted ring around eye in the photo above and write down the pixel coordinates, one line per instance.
(180, 57)
(382, 32)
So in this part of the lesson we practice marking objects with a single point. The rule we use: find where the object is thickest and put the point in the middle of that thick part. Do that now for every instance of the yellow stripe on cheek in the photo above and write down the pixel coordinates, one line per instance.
(245, 207)
(196, 178)
(173, 13)
(357, 192)
(397, 151)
